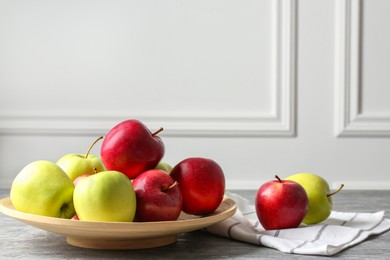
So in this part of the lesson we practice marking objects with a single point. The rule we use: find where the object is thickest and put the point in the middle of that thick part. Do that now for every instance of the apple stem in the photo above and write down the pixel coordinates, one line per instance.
(333, 193)
(89, 149)
(277, 177)
(170, 187)
(158, 131)
(173, 185)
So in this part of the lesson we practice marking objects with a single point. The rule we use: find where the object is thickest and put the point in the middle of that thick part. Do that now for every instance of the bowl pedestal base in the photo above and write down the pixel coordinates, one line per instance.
(121, 244)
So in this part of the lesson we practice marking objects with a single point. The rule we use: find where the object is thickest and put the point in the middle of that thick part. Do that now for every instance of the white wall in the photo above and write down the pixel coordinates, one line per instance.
(262, 87)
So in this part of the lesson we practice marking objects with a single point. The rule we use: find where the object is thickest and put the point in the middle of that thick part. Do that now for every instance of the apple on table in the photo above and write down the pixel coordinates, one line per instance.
(319, 195)
(281, 204)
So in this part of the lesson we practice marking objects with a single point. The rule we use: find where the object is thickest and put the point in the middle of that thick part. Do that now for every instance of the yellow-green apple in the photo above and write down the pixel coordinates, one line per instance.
(318, 192)
(202, 184)
(43, 188)
(78, 164)
(158, 196)
(105, 196)
(166, 167)
(130, 148)
(281, 204)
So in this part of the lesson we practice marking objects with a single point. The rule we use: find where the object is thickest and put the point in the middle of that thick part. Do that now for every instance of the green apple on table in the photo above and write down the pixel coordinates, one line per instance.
(105, 196)
(76, 165)
(43, 188)
(318, 192)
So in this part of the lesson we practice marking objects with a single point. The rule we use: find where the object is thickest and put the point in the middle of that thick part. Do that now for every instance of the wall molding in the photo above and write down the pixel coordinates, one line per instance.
(240, 184)
(351, 120)
(280, 122)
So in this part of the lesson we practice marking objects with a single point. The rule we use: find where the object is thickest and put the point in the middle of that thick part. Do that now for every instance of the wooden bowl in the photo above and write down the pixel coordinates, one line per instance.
(120, 235)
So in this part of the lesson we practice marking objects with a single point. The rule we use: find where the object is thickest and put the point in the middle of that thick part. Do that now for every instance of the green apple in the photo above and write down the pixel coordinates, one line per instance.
(76, 165)
(164, 166)
(320, 197)
(105, 196)
(43, 188)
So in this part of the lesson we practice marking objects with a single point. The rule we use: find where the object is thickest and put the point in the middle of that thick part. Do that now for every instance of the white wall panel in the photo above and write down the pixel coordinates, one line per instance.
(361, 68)
(258, 86)
(197, 67)
(71, 70)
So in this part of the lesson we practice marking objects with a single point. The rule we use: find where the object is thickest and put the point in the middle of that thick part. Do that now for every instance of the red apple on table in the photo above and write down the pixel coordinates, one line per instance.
(202, 184)
(281, 204)
(130, 148)
(158, 196)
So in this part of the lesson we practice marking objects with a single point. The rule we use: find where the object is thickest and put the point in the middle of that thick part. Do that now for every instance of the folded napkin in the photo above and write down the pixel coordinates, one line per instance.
(341, 230)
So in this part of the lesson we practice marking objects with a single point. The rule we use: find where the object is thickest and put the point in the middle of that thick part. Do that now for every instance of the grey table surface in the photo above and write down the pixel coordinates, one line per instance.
(18, 240)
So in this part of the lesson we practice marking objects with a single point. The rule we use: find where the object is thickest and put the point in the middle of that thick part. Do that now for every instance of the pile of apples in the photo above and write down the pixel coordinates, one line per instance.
(299, 198)
(127, 182)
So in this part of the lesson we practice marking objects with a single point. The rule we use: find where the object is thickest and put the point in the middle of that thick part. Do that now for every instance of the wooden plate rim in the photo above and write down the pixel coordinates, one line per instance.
(121, 229)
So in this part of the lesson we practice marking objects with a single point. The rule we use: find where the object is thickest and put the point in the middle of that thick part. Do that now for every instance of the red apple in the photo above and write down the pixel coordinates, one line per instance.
(202, 184)
(281, 204)
(158, 197)
(131, 148)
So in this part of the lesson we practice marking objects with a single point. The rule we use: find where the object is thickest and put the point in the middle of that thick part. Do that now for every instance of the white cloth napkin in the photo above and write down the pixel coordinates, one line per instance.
(341, 230)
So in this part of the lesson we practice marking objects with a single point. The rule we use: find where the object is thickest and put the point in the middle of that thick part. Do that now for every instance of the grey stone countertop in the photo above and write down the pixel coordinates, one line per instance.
(19, 240)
